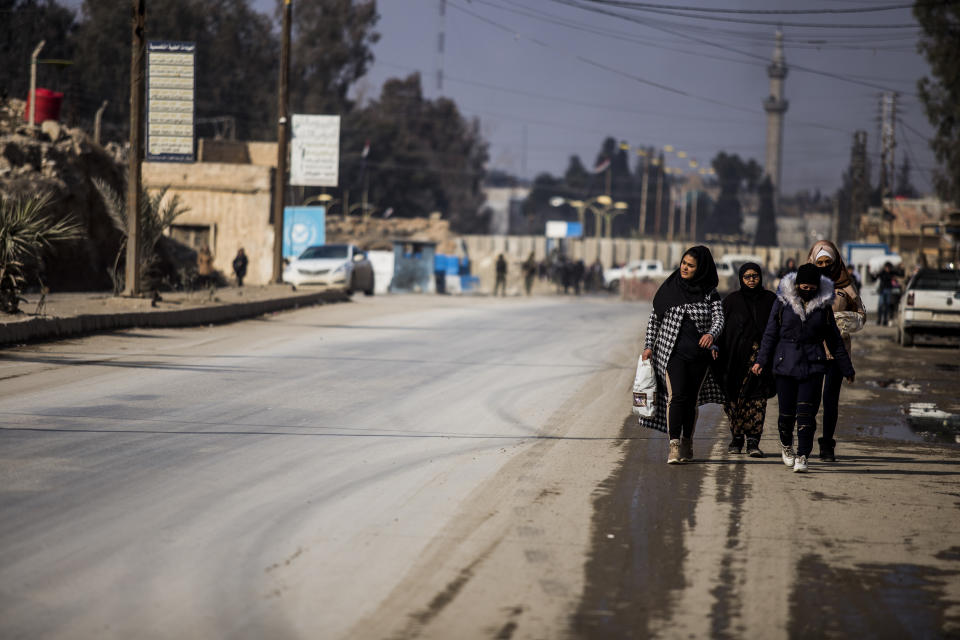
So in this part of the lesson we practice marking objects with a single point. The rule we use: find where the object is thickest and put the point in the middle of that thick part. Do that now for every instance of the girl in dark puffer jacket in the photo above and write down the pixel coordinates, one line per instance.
(800, 322)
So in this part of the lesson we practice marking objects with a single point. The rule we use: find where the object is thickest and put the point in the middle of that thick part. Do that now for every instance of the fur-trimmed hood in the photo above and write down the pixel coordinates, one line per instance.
(787, 294)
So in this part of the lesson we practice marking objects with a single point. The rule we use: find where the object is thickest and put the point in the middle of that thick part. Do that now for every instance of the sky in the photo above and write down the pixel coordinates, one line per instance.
(548, 80)
(551, 78)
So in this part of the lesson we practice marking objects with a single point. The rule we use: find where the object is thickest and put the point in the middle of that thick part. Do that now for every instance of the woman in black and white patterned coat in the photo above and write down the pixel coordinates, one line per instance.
(686, 320)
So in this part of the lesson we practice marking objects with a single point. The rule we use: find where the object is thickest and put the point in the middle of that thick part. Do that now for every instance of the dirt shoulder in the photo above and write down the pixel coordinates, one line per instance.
(733, 546)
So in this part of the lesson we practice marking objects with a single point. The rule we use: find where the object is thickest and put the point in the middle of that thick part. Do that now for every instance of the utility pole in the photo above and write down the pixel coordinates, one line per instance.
(657, 214)
(98, 121)
(441, 44)
(33, 82)
(671, 211)
(644, 182)
(694, 211)
(134, 175)
(280, 179)
(888, 119)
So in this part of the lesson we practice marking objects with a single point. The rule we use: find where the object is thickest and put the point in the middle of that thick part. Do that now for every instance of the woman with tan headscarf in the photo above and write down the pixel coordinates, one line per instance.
(851, 316)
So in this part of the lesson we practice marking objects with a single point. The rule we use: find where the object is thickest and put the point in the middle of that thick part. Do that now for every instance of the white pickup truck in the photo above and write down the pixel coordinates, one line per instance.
(634, 269)
(930, 305)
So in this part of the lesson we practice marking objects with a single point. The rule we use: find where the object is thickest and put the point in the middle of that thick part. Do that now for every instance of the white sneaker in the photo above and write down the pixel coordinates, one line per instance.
(787, 455)
(800, 464)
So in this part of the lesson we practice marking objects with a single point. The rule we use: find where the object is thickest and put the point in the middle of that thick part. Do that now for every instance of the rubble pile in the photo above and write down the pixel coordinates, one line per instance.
(379, 234)
(63, 161)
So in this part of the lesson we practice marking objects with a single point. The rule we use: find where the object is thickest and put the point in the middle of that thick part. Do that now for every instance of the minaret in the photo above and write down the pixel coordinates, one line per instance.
(775, 106)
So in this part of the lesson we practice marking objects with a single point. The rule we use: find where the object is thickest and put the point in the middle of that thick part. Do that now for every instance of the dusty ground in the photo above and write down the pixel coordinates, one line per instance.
(741, 547)
(727, 547)
(902, 393)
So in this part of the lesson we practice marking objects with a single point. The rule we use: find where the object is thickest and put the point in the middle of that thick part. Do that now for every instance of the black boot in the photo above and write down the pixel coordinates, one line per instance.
(827, 446)
(753, 448)
(736, 444)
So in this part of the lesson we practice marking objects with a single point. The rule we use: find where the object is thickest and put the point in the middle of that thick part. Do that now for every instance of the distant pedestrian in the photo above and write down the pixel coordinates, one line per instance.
(595, 276)
(240, 266)
(886, 283)
(789, 267)
(792, 348)
(204, 266)
(501, 283)
(529, 273)
(579, 271)
(851, 316)
(566, 274)
(745, 314)
(687, 318)
(852, 272)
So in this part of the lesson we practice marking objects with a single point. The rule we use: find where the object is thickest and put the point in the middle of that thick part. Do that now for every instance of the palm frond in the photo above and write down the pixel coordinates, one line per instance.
(26, 232)
(114, 203)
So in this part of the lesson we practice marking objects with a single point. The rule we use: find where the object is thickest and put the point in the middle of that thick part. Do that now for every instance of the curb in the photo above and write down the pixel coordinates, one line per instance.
(58, 328)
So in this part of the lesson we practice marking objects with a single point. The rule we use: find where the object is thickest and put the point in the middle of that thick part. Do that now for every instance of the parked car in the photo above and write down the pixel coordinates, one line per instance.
(930, 305)
(633, 269)
(338, 266)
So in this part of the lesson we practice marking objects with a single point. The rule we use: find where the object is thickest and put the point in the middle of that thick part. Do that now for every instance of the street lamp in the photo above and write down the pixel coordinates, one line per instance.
(600, 206)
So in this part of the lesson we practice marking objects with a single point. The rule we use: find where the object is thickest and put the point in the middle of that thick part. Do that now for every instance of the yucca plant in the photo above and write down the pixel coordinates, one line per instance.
(155, 217)
(27, 232)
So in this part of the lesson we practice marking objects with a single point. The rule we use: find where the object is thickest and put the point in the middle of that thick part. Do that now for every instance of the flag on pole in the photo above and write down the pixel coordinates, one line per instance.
(602, 166)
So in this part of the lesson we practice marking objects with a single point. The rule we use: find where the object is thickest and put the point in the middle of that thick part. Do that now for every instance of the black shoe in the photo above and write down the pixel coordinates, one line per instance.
(827, 449)
(736, 445)
(753, 449)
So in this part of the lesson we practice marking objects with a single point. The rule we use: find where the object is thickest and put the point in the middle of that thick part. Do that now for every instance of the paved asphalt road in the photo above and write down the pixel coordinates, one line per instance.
(281, 477)
(430, 467)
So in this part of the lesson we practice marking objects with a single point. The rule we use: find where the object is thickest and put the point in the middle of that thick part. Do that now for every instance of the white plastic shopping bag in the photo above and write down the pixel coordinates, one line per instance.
(644, 389)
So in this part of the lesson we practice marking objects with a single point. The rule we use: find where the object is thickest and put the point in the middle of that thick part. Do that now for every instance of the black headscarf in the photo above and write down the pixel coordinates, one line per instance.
(676, 291)
(755, 302)
(745, 312)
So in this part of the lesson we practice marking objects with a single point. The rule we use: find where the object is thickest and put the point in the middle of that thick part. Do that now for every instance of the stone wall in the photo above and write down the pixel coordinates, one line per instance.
(233, 200)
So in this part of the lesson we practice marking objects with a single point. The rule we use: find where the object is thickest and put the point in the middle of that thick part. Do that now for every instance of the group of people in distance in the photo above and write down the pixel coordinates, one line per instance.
(751, 345)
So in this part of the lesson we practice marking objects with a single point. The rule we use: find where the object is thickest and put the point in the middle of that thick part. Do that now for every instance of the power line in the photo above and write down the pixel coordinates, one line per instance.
(601, 65)
(772, 23)
(577, 5)
(648, 5)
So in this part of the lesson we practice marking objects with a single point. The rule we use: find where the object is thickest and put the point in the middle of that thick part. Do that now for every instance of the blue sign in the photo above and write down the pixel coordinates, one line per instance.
(574, 230)
(303, 227)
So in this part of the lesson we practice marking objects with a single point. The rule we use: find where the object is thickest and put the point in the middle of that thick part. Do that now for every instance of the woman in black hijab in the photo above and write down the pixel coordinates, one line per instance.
(745, 314)
(686, 320)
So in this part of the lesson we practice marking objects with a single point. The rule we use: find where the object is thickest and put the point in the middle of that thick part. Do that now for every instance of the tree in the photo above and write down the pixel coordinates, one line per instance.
(577, 177)
(157, 213)
(424, 156)
(727, 218)
(234, 44)
(331, 50)
(941, 95)
(23, 25)
(766, 235)
(26, 233)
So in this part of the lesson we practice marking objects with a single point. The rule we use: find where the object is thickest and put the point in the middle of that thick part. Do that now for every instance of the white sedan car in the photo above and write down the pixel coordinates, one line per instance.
(337, 266)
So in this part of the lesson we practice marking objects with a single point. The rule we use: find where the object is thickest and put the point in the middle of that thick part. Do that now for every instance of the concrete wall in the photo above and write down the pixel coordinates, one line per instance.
(262, 154)
(234, 200)
(483, 252)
